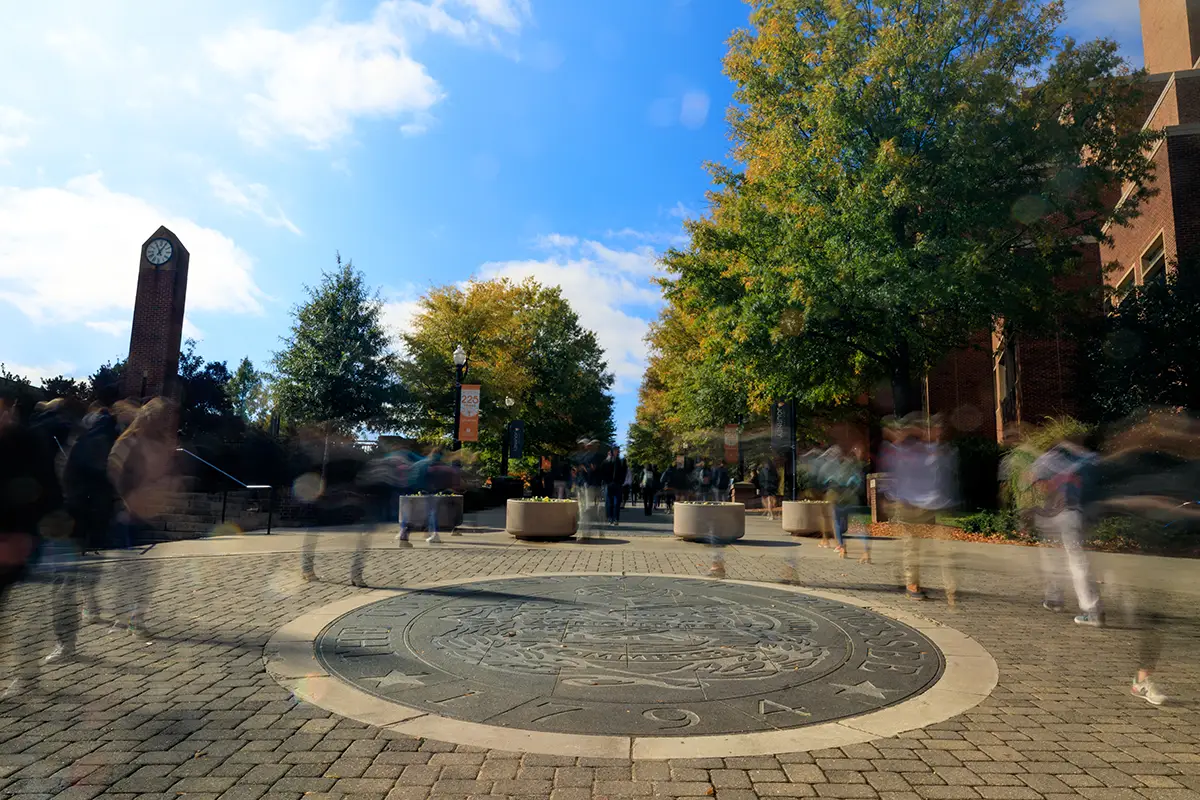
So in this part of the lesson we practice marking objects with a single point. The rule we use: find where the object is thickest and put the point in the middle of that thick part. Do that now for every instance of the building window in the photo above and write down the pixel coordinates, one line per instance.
(1007, 375)
(1123, 288)
(1154, 263)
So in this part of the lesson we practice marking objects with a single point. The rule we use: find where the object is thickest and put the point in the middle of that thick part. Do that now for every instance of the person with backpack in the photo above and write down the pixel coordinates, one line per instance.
(1058, 477)
(90, 500)
(721, 484)
(704, 482)
(141, 469)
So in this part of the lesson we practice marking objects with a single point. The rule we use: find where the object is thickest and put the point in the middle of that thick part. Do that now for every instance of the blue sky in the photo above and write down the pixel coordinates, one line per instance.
(428, 140)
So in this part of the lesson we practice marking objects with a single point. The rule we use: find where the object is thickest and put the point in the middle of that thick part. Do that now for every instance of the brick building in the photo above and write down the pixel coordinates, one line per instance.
(995, 383)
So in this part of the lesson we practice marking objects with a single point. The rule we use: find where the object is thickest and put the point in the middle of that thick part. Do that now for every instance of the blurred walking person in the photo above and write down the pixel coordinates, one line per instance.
(923, 474)
(140, 467)
(721, 484)
(649, 489)
(613, 472)
(29, 493)
(1059, 478)
(767, 481)
(90, 501)
(627, 487)
(1150, 473)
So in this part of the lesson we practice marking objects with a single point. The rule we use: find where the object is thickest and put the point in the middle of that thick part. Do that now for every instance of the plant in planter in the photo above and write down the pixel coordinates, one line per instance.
(541, 518)
(710, 522)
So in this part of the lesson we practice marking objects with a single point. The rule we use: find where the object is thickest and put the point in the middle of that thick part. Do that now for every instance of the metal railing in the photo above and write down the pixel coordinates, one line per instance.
(225, 492)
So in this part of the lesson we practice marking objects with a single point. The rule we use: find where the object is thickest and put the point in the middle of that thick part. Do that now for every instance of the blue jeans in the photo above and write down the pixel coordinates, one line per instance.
(841, 523)
(612, 504)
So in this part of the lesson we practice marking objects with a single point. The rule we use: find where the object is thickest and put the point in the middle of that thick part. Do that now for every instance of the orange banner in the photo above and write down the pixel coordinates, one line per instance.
(731, 444)
(468, 414)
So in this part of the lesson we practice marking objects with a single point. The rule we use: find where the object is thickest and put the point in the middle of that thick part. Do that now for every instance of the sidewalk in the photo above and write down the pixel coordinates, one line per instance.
(192, 713)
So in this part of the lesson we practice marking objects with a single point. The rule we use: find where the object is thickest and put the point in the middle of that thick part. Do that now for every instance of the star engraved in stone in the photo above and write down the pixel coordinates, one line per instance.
(395, 678)
(866, 689)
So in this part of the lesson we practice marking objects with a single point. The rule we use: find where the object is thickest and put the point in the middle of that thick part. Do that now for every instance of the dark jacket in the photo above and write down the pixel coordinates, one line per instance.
(29, 489)
(721, 479)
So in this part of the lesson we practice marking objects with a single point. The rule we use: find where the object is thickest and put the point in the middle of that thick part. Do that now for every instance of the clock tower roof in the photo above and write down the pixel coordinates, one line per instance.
(164, 232)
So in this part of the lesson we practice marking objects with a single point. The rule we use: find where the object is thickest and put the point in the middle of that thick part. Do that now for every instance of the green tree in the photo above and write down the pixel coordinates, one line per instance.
(105, 383)
(1144, 353)
(204, 406)
(247, 391)
(337, 370)
(26, 394)
(62, 386)
(905, 174)
(522, 341)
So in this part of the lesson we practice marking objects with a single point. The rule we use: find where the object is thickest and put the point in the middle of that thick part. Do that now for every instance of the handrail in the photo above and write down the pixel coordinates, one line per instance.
(225, 492)
(223, 472)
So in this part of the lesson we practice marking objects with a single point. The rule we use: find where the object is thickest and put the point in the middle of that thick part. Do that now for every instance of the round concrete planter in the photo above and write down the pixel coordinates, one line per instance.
(531, 519)
(807, 516)
(415, 509)
(710, 522)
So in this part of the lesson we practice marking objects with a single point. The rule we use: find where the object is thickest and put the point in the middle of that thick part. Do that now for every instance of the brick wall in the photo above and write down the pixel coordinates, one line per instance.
(1184, 155)
(1157, 214)
(157, 325)
(1170, 34)
(962, 388)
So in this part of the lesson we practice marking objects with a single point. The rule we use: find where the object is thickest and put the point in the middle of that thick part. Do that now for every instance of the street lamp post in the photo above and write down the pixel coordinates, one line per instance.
(508, 404)
(460, 373)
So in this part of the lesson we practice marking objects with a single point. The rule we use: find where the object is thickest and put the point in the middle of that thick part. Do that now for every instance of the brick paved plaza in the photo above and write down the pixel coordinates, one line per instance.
(193, 713)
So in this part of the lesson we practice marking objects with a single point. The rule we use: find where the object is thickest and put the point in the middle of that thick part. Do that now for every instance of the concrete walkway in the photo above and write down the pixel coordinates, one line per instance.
(192, 712)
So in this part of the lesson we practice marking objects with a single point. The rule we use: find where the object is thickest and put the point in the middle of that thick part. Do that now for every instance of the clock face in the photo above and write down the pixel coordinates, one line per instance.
(158, 252)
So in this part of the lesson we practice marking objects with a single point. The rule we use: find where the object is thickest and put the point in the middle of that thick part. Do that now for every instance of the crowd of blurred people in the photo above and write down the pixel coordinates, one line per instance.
(78, 480)
(75, 480)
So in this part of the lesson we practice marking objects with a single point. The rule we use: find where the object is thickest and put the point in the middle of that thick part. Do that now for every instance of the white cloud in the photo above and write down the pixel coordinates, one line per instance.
(656, 237)
(690, 109)
(252, 198)
(71, 254)
(313, 83)
(36, 373)
(556, 241)
(681, 211)
(605, 287)
(14, 130)
(507, 14)
(398, 316)
(113, 327)
(693, 109)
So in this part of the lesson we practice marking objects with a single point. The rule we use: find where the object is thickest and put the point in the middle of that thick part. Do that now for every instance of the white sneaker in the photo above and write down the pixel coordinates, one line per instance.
(433, 538)
(59, 653)
(1148, 692)
(16, 688)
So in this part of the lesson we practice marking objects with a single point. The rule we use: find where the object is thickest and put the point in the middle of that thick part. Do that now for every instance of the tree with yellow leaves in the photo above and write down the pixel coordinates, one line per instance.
(523, 341)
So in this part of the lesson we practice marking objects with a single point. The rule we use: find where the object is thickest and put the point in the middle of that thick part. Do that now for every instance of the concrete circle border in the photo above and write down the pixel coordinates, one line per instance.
(969, 676)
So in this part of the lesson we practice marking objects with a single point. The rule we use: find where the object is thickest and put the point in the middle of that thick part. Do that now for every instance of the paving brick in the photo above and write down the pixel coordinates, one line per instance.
(784, 790)
(622, 788)
(729, 778)
(681, 789)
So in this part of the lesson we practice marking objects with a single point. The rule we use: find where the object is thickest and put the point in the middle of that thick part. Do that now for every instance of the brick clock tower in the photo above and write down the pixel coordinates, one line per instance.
(153, 363)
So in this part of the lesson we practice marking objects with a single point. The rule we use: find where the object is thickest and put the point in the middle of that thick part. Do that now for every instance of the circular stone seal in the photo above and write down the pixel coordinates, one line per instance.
(635, 656)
